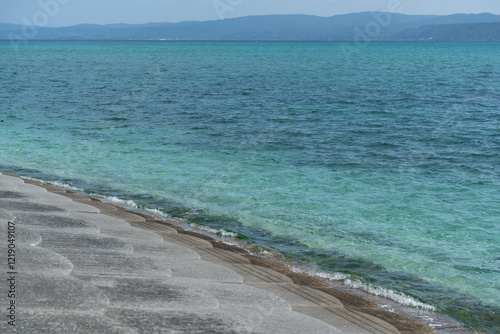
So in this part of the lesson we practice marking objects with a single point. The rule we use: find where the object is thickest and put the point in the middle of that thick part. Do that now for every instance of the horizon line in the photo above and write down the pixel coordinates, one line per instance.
(244, 16)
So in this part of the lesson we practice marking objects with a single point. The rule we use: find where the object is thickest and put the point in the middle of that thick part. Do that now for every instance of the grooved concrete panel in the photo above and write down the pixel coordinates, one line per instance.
(186, 240)
(256, 274)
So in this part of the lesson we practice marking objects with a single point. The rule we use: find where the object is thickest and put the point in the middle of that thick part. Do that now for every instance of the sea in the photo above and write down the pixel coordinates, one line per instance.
(376, 164)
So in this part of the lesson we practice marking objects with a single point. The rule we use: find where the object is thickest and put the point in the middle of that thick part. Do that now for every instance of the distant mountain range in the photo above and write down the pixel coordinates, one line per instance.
(367, 26)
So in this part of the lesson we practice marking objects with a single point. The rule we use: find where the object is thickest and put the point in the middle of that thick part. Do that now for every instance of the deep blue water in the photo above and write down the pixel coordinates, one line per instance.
(383, 166)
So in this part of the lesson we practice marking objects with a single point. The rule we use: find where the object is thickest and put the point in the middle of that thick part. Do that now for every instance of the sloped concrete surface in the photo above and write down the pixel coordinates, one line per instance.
(83, 266)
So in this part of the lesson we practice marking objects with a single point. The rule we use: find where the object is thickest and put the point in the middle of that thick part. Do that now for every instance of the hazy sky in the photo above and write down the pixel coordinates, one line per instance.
(70, 12)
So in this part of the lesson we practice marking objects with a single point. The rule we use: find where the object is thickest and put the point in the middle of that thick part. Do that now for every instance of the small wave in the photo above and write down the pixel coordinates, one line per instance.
(347, 279)
(391, 294)
(58, 184)
(130, 204)
(220, 232)
(118, 201)
(64, 185)
(157, 213)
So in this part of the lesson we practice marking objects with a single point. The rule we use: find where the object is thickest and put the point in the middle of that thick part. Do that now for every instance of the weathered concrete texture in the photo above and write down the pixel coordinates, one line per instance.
(51, 222)
(5, 194)
(200, 270)
(39, 260)
(83, 266)
(52, 322)
(24, 235)
(166, 251)
(15, 206)
(60, 293)
(147, 293)
(80, 242)
(221, 322)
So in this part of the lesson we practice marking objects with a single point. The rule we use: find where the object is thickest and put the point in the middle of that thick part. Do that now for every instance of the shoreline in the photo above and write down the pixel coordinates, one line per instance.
(440, 323)
(405, 318)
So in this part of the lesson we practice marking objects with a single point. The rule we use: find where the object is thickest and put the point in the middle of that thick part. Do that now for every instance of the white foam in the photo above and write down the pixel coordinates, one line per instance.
(265, 252)
(394, 295)
(109, 199)
(399, 297)
(220, 232)
(157, 213)
(58, 184)
(65, 186)
(118, 201)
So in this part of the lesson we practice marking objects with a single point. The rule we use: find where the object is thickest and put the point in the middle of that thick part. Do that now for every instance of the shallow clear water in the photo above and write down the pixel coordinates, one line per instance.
(384, 165)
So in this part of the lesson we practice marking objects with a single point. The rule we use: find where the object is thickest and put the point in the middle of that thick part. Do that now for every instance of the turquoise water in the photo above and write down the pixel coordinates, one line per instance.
(383, 166)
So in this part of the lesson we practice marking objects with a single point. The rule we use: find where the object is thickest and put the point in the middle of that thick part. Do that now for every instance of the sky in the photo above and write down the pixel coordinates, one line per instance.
(71, 12)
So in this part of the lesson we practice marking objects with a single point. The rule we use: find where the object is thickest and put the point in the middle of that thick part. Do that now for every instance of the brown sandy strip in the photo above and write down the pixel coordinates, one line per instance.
(264, 273)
